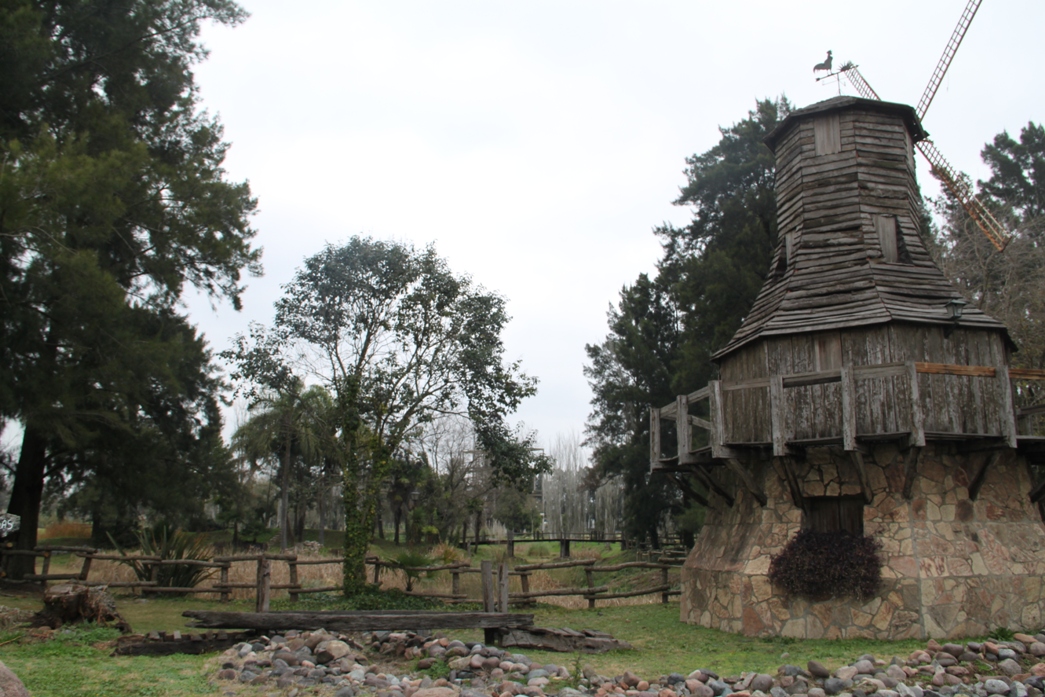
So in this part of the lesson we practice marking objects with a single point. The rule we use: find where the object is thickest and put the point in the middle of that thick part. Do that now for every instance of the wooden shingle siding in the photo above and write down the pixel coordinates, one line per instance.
(844, 215)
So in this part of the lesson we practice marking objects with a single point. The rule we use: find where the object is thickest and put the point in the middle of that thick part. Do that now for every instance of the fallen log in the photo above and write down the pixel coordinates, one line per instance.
(563, 640)
(165, 644)
(75, 603)
(389, 620)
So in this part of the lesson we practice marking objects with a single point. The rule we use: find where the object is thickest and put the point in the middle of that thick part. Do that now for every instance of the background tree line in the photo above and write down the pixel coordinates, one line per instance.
(663, 329)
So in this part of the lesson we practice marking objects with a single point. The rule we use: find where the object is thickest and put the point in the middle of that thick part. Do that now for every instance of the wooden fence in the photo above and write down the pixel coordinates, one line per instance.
(495, 583)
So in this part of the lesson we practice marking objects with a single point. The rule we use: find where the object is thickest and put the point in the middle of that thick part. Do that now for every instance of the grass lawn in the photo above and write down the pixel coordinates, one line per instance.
(78, 664)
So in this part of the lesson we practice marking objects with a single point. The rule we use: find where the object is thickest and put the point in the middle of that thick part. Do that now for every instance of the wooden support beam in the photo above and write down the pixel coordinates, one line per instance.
(1026, 374)
(861, 471)
(917, 417)
(1038, 492)
(654, 437)
(848, 409)
(971, 371)
(709, 481)
(697, 421)
(910, 469)
(784, 468)
(687, 490)
(1005, 407)
(977, 479)
(745, 477)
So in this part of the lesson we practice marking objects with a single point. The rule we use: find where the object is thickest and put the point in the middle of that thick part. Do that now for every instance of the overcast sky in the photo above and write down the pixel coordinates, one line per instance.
(537, 144)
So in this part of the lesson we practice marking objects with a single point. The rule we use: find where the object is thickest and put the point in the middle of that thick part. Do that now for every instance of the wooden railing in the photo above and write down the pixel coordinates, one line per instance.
(262, 586)
(720, 447)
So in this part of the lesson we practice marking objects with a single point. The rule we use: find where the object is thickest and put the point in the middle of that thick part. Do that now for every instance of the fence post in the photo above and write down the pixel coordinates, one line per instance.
(564, 548)
(455, 583)
(86, 568)
(502, 587)
(664, 582)
(293, 564)
(524, 581)
(589, 575)
(487, 573)
(264, 591)
(511, 545)
(154, 576)
(377, 572)
(225, 581)
(46, 554)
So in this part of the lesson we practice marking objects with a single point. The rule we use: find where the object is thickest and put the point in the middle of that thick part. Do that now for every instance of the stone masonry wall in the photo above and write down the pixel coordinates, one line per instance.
(952, 567)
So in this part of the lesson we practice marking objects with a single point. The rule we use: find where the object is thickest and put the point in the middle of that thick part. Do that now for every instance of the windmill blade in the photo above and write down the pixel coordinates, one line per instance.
(948, 55)
(942, 169)
(957, 185)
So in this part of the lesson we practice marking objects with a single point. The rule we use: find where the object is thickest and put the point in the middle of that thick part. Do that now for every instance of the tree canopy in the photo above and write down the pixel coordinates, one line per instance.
(398, 339)
(112, 198)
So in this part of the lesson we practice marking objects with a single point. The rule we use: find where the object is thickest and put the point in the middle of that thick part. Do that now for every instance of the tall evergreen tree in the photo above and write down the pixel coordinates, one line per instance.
(112, 197)
(664, 330)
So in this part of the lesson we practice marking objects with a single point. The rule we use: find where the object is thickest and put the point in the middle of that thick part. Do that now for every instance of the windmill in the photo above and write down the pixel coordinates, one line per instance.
(955, 182)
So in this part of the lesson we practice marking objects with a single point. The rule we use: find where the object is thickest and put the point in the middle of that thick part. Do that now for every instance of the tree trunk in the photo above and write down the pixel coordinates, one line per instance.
(26, 494)
(321, 505)
(397, 516)
(284, 495)
(379, 524)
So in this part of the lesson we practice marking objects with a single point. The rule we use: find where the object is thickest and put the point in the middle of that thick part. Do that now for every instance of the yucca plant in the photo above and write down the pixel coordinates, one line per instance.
(409, 563)
(161, 542)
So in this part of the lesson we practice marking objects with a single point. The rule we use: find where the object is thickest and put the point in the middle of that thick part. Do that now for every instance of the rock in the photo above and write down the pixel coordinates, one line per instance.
(719, 687)
(945, 659)
(1038, 669)
(629, 679)
(996, 687)
(969, 656)
(833, 686)
(435, 692)
(846, 672)
(1010, 667)
(778, 692)
(816, 692)
(345, 691)
(761, 682)
(942, 679)
(953, 649)
(818, 670)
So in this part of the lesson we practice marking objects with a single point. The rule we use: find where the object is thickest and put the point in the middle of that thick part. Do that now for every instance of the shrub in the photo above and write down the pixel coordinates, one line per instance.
(161, 542)
(409, 562)
(821, 565)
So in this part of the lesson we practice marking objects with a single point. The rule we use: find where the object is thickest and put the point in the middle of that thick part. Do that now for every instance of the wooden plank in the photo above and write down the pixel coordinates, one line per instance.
(784, 466)
(910, 469)
(654, 437)
(1006, 412)
(861, 470)
(718, 431)
(917, 438)
(684, 437)
(502, 587)
(488, 585)
(357, 621)
(848, 408)
(748, 481)
(1026, 374)
(820, 377)
(699, 395)
(977, 479)
(776, 413)
(982, 371)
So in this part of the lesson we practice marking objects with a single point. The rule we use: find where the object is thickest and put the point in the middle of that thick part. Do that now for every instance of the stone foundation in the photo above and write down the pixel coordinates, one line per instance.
(953, 567)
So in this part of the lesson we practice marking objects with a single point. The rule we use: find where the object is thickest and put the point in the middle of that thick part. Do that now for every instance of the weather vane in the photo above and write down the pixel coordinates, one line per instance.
(826, 67)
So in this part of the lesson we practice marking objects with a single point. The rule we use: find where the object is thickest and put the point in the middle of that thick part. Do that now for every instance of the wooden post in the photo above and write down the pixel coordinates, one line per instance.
(154, 576)
(488, 592)
(293, 564)
(225, 597)
(264, 586)
(654, 437)
(917, 417)
(589, 576)
(564, 548)
(684, 436)
(502, 587)
(524, 581)
(776, 415)
(511, 546)
(848, 409)
(664, 582)
(455, 583)
(377, 572)
(1005, 410)
(86, 568)
(46, 566)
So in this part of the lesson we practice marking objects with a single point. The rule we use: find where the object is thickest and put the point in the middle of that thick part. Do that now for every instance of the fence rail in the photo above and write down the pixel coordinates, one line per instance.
(495, 586)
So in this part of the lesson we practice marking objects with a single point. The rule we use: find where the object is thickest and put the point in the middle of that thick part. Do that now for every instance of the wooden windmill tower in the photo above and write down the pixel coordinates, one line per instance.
(858, 395)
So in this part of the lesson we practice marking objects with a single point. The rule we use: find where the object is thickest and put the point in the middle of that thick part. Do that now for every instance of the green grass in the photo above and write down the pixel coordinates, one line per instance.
(76, 663)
